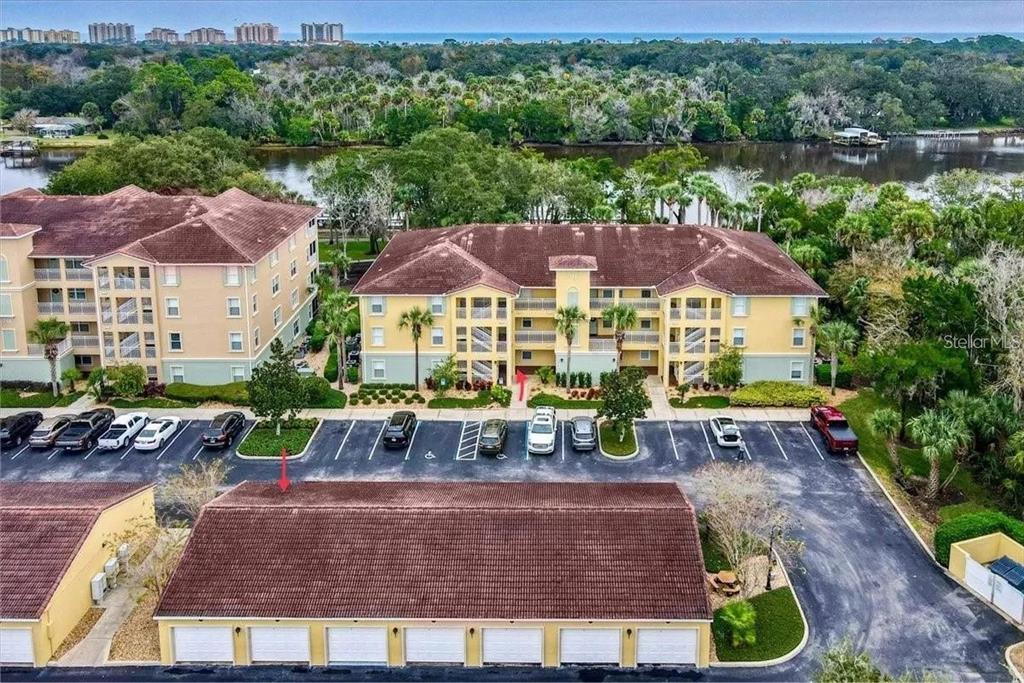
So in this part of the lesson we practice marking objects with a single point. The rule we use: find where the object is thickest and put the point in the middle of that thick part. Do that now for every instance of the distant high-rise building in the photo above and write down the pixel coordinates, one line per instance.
(323, 33)
(205, 36)
(108, 32)
(36, 35)
(261, 34)
(162, 35)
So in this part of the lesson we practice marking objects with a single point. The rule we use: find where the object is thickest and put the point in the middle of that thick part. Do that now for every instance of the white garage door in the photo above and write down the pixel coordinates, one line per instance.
(1007, 598)
(435, 645)
(979, 578)
(590, 646)
(279, 643)
(513, 646)
(357, 645)
(666, 646)
(16, 646)
(203, 644)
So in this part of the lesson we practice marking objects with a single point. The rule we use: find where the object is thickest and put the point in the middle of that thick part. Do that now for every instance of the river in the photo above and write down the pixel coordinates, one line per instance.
(913, 160)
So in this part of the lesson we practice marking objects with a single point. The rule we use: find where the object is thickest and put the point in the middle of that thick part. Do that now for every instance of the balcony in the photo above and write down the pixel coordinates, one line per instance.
(598, 304)
(50, 306)
(461, 346)
(82, 307)
(673, 347)
(47, 273)
(147, 317)
(108, 352)
(535, 304)
(602, 345)
(642, 337)
(501, 347)
(130, 351)
(694, 347)
(122, 282)
(85, 341)
(696, 314)
(501, 313)
(482, 340)
(716, 313)
(481, 312)
(104, 281)
(127, 318)
(714, 346)
(460, 313)
(675, 314)
(642, 304)
(144, 283)
(63, 347)
(77, 274)
(535, 337)
(150, 351)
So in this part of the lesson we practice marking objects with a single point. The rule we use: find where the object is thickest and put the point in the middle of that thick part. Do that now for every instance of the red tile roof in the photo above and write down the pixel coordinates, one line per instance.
(14, 230)
(433, 550)
(233, 227)
(666, 257)
(42, 526)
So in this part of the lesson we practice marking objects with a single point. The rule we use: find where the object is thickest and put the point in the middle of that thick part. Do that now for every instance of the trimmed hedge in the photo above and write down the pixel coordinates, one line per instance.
(331, 369)
(543, 399)
(776, 394)
(844, 375)
(973, 525)
(235, 393)
(10, 398)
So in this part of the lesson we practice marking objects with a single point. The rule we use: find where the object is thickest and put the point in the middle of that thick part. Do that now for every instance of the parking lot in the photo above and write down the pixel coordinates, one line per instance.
(860, 574)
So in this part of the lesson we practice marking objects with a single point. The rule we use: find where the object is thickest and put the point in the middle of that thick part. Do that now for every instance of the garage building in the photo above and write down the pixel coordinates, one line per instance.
(54, 538)
(456, 573)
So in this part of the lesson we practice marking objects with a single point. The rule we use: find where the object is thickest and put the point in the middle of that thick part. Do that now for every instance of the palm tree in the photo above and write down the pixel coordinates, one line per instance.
(622, 318)
(415, 319)
(339, 314)
(940, 436)
(885, 423)
(340, 263)
(834, 338)
(567, 321)
(49, 333)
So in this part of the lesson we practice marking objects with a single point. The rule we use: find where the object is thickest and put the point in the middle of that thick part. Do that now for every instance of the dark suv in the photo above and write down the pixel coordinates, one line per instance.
(224, 428)
(16, 428)
(400, 428)
(492, 437)
(584, 433)
(83, 431)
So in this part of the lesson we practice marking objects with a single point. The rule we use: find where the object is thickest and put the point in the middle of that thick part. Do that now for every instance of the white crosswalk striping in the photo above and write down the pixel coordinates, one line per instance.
(469, 440)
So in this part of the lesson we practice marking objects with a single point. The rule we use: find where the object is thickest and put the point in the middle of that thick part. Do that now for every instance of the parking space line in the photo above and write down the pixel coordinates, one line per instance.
(24, 448)
(380, 434)
(671, 438)
(52, 453)
(181, 430)
(563, 441)
(353, 424)
(711, 452)
(201, 447)
(811, 439)
(469, 440)
(90, 453)
(777, 442)
(408, 449)
(127, 451)
(251, 427)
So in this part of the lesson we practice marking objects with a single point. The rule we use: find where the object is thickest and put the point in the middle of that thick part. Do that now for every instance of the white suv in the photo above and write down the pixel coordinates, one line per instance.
(541, 436)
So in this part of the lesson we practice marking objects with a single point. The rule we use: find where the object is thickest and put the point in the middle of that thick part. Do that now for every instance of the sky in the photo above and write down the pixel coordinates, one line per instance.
(464, 16)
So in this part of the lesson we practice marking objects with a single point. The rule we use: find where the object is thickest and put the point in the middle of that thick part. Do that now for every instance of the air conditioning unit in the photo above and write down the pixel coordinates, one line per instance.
(110, 569)
(123, 553)
(98, 587)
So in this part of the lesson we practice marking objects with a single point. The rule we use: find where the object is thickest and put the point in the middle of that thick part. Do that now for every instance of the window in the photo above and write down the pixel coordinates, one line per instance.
(256, 338)
(572, 297)
(606, 323)
(741, 305)
(796, 369)
(377, 336)
(250, 272)
(739, 336)
(174, 341)
(171, 276)
(645, 324)
(277, 317)
(311, 228)
(83, 360)
(799, 306)
(234, 307)
(177, 373)
(437, 336)
(799, 336)
(274, 258)
(295, 328)
(6, 309)
(237, 373)
(79, 328)
(234, 341)
(311, 252)
(645, 355)
(376, 305)
(437, 305)
(295, 299)
(255, 304)
(378, 370)
(275, 285)
(76, 294)
(291, 243)
(293, 269)
(527, 323)
(10, 342)
(232, 276)
(151, 373)
(527, 355)
(645, 294)
(172, 307)
(4, 273)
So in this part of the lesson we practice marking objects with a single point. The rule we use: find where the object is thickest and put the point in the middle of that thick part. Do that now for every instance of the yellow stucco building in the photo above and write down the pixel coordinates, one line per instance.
(494, 291)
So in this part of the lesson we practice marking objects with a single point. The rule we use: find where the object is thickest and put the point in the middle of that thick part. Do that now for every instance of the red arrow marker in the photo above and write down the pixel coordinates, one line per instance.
(521, 379)
(283, 482)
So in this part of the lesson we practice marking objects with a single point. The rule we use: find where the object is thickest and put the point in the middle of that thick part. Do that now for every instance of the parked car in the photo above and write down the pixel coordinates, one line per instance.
(835, 430)
(157, 433)
(223, 429)
(16, 428)
(48, 430)
(399, 430)
(120, 432)
(492, 437)
(83, 431)
(726, 432)
(540, 438)
(584, 433)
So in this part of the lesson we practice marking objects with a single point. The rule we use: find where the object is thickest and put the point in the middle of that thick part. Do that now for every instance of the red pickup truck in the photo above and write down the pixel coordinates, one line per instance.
(834, 428)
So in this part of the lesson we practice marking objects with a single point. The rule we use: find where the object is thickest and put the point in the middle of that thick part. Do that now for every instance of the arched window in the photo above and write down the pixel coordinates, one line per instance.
(572, 297)
(4, 274)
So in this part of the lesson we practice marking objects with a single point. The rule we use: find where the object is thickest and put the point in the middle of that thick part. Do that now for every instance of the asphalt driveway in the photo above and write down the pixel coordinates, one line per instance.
(861, 574)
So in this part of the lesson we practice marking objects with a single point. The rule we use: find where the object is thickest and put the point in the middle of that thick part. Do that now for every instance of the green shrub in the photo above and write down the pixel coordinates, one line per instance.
(777, 394)
(352, 373)
(545, 375)
(331, 369)
(381, 400)
(501, 395)
(128, 380)
(235, 393)
(740, 619)
(844, 377)
(971, 526)
(317, 389)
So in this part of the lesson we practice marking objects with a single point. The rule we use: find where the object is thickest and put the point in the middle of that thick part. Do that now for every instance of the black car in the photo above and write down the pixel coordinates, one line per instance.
(224, 428)
(584, 433)
(16, 428)
(83, 431)
(492, 437)
(47, 431)
(399, 430)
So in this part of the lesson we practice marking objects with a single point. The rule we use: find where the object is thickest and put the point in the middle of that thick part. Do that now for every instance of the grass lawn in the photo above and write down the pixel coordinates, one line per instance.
(151, 402)
(333, 399)
(78, 141)
(264, 442)
(779, 629)
(10, 398)
(543, 399)
(700, 402)
(610, 443)
(481, 400)
(358, 250)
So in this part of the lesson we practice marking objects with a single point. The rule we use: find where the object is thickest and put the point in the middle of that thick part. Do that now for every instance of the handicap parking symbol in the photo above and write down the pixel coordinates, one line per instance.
(429, 455)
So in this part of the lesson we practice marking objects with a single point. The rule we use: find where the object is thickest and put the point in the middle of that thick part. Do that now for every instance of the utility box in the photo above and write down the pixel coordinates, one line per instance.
(110, 569)
(98, 586)
(123, 553)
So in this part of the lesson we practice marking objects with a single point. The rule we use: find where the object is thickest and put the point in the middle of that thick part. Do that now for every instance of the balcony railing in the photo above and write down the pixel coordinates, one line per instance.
(147, 317)
(85, 341)
(714, 346)
(535, 337)
(121, 282)
(63, 346)
(83, 307)
(481, 312)
(130, 352)
(150, 352)
(716, 313)
(642, 304)
(598, 304)
(144, 283)
(675, 313)
(50, 306)
(129, 318)
(108, 352)
(601, 344)
(501, 347)
(501, 313)
(77, 274)
(695, 347)
(481, 346)
(47, 273)
(461, 345)
(535, 304)
(673, 347)
(696, 313)
(460, 312)
(642, 337)
(104, 281)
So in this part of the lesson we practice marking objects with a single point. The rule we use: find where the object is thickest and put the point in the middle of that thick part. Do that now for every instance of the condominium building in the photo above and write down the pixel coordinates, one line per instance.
(36, 35)
(323, 33)
(205, 36)
(162, 35)
(108, 32)
(260, 34)
(494, 291)
(192, 288)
